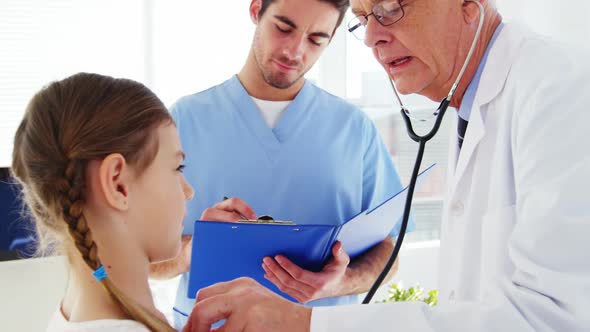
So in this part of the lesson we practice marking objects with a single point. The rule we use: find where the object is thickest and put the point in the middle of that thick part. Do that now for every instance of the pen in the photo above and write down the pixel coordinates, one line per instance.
(241, 215)
(262, 219)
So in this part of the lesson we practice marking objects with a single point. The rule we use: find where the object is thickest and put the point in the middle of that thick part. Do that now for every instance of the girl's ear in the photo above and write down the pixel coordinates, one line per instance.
(114, 175)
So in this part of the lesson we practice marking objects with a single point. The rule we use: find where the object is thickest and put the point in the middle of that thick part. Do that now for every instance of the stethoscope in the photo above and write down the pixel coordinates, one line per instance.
(421, 140)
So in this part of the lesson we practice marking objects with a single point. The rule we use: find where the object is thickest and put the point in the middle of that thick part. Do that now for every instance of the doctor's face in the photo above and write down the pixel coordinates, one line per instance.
(418, 51)
(289, 38)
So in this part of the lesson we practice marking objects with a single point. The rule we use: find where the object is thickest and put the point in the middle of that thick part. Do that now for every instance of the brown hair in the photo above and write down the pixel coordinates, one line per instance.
(341, 5)
(67, 124)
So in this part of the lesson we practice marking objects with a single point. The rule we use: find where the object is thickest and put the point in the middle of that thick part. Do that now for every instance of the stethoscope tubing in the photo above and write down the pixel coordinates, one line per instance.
(421, 140)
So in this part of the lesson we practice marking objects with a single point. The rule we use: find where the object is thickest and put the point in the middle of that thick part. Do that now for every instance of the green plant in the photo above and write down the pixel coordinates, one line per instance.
(416, 293)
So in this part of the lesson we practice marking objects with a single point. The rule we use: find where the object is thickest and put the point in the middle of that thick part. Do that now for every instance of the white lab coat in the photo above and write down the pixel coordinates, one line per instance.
(516, 225)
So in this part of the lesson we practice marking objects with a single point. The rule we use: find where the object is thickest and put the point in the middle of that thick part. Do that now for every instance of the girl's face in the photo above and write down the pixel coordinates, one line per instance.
(160, 195)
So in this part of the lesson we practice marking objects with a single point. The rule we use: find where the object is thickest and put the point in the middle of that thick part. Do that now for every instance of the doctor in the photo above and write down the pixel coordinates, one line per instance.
(516, 219)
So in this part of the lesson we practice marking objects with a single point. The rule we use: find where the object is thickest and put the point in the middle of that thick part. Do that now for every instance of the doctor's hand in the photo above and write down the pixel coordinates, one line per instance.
(231, 209)
(305, 286)
(246, 306)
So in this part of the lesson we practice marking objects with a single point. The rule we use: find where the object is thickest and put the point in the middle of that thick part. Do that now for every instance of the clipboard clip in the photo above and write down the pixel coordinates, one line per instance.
(266, 220)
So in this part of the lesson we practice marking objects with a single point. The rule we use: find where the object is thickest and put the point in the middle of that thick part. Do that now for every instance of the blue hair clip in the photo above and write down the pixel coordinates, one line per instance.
(100, 273)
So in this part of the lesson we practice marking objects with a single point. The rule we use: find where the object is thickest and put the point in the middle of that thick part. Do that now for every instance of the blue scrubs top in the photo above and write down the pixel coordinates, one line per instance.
(323, 163)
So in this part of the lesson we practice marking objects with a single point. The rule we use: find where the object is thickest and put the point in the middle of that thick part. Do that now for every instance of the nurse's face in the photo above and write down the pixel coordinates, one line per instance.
(419, 51)
(289, 38)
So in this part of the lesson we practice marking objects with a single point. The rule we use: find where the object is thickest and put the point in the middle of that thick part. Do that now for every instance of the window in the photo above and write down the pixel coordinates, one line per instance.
(209, 44)
(364, 83)
(42, 41)
(563, 21)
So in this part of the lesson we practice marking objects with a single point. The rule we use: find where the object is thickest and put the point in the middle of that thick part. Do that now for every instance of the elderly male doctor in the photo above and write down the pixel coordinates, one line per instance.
(516, 228)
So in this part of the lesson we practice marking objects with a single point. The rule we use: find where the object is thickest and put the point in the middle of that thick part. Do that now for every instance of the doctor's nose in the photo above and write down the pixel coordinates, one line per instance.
(375, 33)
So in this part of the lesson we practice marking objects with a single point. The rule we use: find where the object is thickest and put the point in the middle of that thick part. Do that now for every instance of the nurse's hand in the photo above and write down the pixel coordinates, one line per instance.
(246, 306)
(304, 285)
(231, 209)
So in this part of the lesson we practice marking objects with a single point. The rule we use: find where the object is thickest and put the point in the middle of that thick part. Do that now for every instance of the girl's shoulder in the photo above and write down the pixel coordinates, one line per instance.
(59, 323)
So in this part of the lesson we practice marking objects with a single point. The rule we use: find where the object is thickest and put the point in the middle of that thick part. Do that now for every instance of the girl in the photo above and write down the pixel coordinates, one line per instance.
(100, 165)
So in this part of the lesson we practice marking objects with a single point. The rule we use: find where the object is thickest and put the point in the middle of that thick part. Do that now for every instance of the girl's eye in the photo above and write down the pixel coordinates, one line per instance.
(180, 168)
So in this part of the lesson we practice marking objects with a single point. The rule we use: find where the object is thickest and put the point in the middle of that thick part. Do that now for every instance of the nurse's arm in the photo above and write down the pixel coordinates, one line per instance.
(173, 267)
(339, 276)
(366, 268)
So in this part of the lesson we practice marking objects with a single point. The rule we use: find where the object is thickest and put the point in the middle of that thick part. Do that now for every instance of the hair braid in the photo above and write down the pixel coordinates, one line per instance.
(81, 118)
(71, 189)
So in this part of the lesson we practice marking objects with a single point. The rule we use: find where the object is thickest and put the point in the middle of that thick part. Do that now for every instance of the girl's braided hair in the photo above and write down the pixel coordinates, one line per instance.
(67, 124)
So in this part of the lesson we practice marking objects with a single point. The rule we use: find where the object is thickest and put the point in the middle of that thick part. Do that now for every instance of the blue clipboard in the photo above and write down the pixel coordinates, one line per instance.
(223, 251)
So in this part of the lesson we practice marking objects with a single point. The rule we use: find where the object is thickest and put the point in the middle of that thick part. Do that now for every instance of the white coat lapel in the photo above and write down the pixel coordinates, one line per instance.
(474, 134)
(492, 81)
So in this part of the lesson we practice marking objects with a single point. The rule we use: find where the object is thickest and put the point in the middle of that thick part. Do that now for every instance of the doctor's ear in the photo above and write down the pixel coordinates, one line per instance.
(255, 6)
(114, 175)
(471, 10)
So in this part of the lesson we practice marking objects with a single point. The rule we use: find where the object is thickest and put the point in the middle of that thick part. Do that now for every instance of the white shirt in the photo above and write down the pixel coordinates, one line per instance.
(271, 111)
(58, 323)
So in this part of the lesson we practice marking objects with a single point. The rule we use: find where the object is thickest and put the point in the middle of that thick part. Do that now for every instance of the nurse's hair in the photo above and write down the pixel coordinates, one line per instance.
(341, 5)
(67, 124)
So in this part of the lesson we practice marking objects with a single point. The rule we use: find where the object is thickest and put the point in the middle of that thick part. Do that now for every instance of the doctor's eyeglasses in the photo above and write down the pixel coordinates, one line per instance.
(386, 12)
